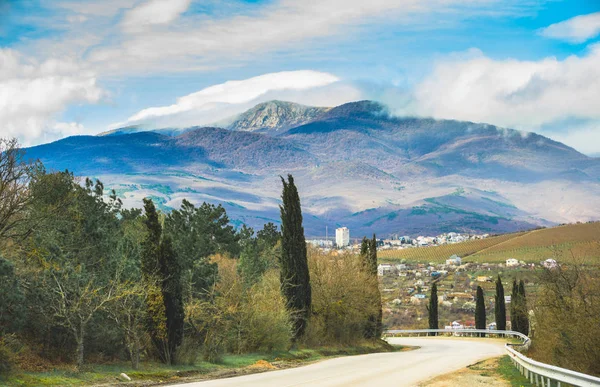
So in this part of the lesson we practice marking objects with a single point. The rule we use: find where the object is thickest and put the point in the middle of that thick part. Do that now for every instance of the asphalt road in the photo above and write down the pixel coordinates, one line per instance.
(436, 356)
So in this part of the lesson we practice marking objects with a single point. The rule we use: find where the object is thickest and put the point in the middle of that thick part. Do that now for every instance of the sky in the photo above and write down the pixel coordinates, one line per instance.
(83, 67)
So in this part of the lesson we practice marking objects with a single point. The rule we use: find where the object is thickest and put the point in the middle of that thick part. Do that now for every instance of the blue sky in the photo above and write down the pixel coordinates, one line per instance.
(81, 67)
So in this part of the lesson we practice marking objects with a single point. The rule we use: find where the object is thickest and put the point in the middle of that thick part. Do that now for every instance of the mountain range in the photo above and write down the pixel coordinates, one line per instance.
(355, 165)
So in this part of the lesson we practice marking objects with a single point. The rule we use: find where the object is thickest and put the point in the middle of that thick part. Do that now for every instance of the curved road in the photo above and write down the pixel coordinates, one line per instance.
(436, 356)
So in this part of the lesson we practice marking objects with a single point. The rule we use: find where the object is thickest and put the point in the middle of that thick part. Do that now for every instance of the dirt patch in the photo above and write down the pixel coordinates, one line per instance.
(476, 375)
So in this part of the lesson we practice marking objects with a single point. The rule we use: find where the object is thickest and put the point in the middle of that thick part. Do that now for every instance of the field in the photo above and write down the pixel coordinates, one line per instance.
(568, 243)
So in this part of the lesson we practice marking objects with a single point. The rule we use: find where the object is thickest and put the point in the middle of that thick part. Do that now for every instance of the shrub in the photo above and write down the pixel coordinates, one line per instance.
(344, 296)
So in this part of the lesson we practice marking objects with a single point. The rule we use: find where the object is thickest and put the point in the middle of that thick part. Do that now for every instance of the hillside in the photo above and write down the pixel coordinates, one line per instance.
(356, 166)
(566, 243)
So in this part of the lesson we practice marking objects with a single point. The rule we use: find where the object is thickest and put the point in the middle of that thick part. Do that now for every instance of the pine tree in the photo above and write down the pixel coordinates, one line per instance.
(480, 310)
(514, 302)
(295, 279)
(500, 306)
(433, 309)
(523, 317)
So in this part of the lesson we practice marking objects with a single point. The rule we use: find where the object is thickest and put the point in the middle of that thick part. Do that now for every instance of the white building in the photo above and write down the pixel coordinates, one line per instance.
(512, 262)
(384, 268)
(454, 260)
(342, 237)
(550, 263)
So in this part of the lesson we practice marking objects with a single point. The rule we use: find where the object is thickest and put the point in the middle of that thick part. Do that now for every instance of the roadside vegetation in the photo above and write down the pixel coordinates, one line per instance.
(89, 288)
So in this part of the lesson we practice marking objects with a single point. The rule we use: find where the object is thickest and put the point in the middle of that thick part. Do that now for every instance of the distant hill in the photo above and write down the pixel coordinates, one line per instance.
(355, 165)
(571, 243)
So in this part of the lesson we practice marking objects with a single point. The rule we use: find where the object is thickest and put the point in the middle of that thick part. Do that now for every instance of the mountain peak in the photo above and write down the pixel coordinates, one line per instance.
(275, 115)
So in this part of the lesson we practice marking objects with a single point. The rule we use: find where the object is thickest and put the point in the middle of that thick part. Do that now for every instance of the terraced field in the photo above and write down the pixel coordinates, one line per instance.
(568, 243)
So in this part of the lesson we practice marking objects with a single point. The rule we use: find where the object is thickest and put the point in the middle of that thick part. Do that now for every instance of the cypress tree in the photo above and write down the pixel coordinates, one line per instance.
(364, 249)
(500, 306)
(172, 290)
(523, 316)
(373, 255)
(294, 275)
(161, 271)
(480, 310)
(514, 302)
(368, 252)
(433, 309)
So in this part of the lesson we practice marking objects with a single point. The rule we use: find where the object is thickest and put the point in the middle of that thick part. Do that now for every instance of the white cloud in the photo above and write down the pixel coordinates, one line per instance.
(32, 94)
(154, 12)
(513, 93)
(219, 101)
(585, 139)
(200, 41)
(576, 30)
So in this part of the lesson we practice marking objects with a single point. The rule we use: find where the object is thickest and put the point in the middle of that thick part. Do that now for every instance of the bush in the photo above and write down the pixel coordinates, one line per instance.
(343, 298)
(239, 319)
(565, 320)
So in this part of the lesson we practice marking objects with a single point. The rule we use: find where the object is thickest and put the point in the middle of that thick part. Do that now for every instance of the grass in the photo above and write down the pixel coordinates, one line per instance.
(509, 372)
(580, 240)
(150, 373)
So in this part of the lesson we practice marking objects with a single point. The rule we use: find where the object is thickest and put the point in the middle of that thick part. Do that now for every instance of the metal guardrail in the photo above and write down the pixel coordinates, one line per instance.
(538, 373)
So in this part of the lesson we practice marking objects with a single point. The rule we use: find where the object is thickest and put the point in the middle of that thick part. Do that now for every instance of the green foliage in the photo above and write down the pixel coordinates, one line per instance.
(12, 308)
(480, 309)
(368, 254)
(524, 312)
(162, 270)
(433, 308)
(518, 308)
(500, 306)
(295, 278)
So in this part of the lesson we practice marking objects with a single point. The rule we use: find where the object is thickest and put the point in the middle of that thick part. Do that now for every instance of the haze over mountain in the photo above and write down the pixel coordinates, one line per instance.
(355, 165)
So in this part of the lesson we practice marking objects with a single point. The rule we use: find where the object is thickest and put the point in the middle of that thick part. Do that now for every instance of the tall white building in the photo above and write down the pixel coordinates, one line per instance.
(342, 237)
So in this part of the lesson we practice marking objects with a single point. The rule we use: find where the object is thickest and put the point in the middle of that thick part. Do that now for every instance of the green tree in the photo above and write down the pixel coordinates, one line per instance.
(364, 249)
(433, 309)
(369, 253)
(72, 255)
(294, 274)
(269, 235)
(480, 310)
(523, 312)
(514, 306)
(500, 306)
(12, 306)
(162, 273)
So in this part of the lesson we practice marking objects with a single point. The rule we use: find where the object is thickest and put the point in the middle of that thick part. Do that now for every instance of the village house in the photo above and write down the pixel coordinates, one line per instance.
(454, 260)
(512, 262)
(384, 268)
(550, 263)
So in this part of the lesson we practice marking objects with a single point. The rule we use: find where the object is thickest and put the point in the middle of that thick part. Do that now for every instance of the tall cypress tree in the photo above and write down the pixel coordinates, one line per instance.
(364, 249)
(162, 275)
(172, 290)
(295, 279)
(523, 315)
(379, 321)
(500, 306)
(514, 306)
(433, 309)
(480, 310)
(368, 253)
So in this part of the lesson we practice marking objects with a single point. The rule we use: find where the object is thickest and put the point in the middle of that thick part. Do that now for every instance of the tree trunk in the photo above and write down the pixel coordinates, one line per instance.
(79, 335)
